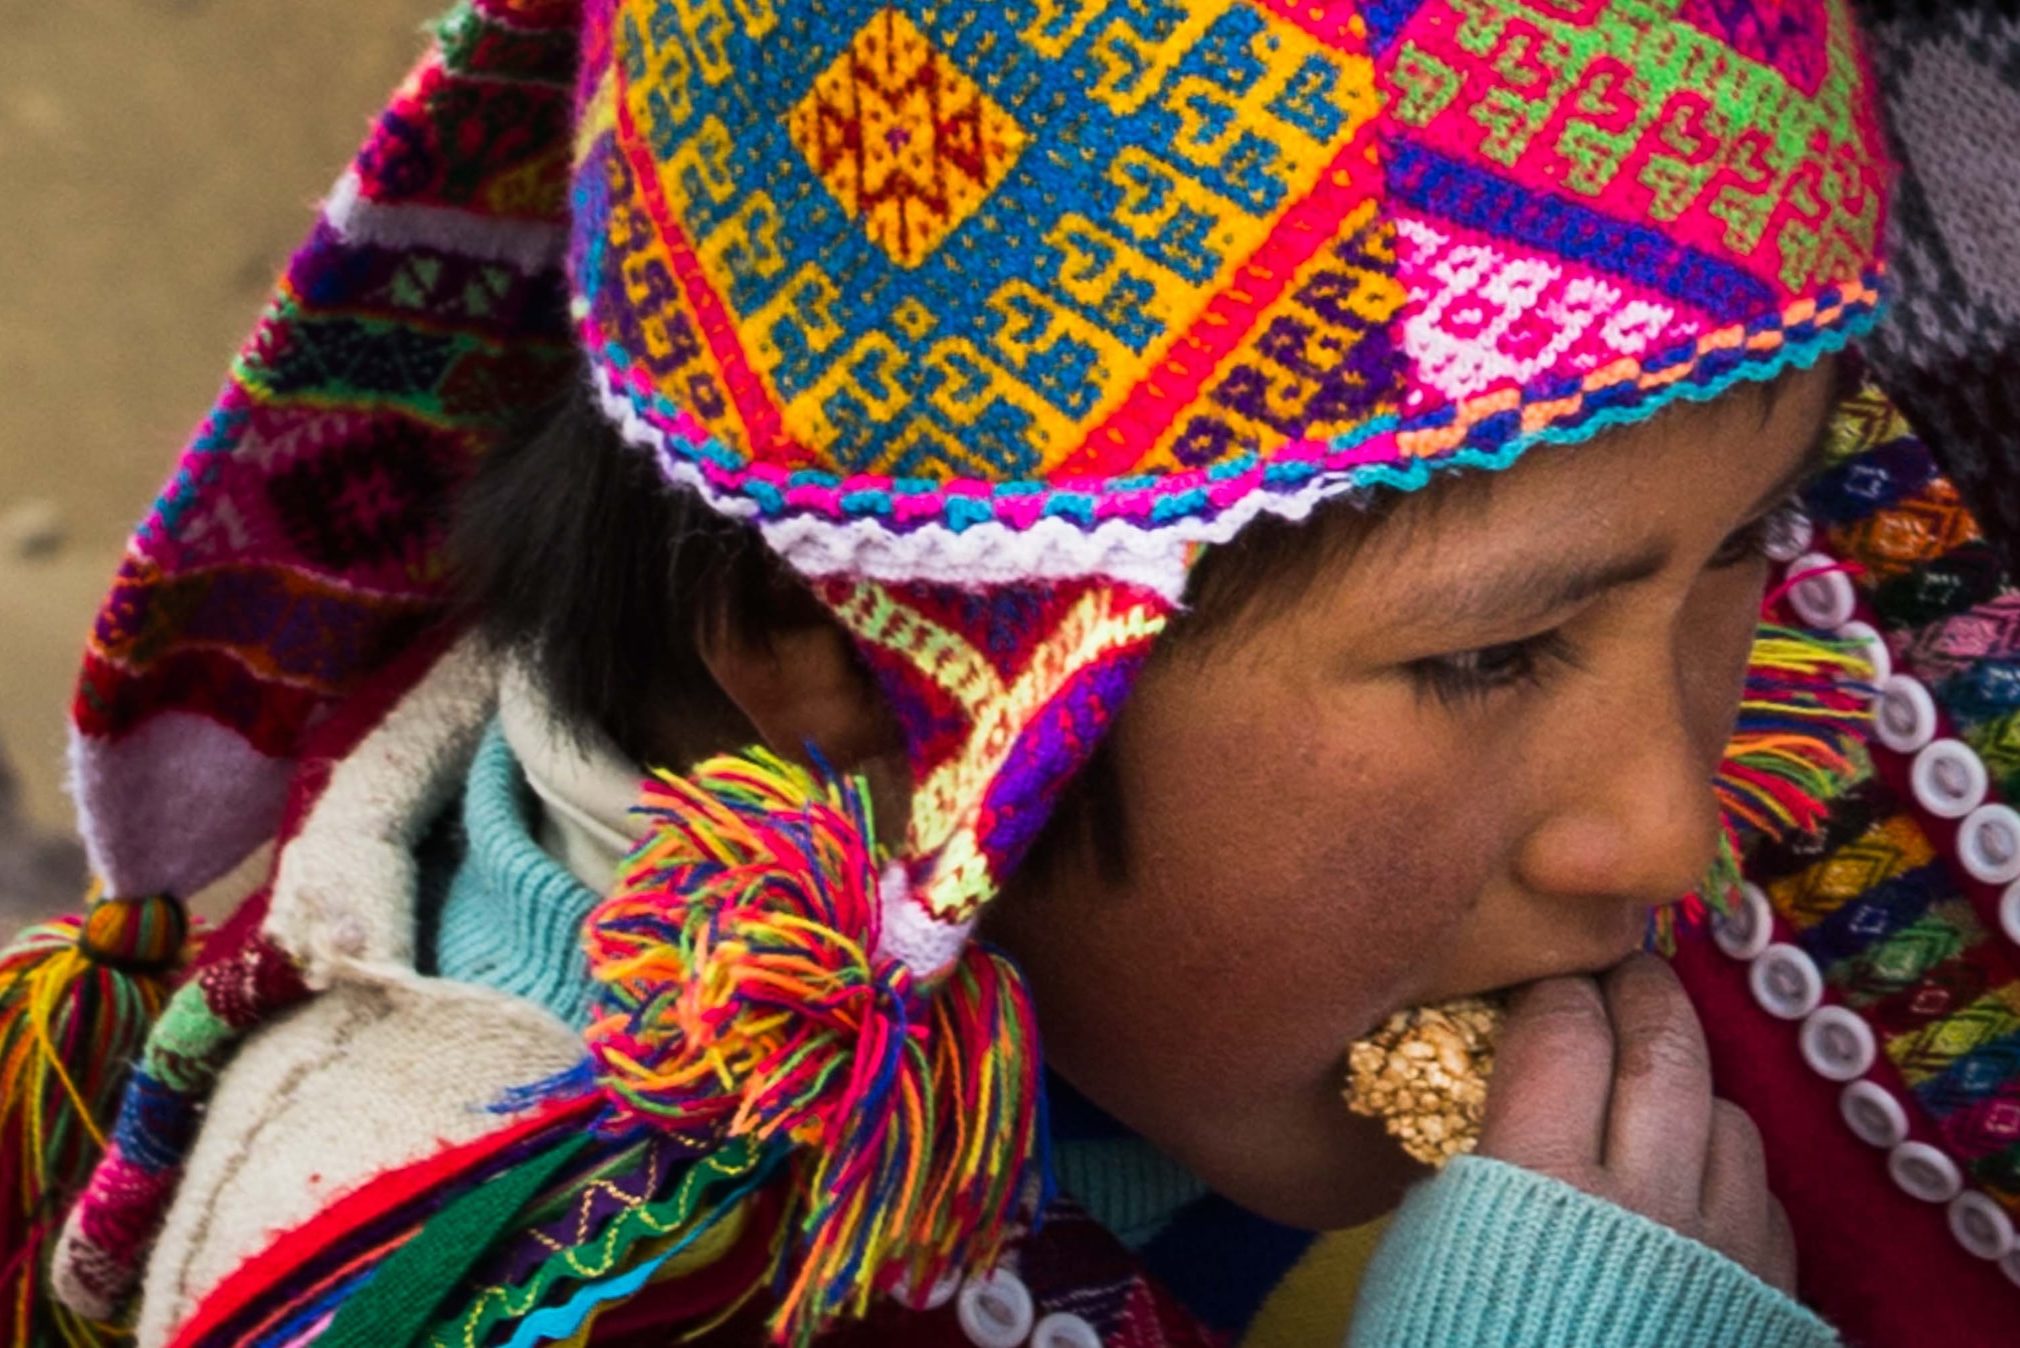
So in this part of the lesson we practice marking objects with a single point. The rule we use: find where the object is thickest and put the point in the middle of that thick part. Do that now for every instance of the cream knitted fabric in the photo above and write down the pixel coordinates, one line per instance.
(585, 786)
(362, 1079)
(355, 1083)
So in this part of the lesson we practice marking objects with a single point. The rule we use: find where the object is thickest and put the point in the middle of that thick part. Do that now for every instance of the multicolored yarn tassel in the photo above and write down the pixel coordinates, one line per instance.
(103, 1245)
(1795, 748)
(1801, 721)
(746, 999)
(77, 999)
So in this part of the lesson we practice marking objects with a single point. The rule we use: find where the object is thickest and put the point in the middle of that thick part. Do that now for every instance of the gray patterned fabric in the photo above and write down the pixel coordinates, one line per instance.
(1950, 351)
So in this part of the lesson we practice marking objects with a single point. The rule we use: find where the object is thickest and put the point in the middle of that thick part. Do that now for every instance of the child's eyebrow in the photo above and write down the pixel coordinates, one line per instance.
(1535, 592)
(1528, 595)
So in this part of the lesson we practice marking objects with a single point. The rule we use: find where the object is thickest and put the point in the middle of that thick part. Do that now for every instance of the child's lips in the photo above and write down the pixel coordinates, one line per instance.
(1501, 992)
(1593, 961)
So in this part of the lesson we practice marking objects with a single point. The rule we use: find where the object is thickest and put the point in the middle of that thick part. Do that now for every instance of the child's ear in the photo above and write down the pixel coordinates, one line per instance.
(799, 683)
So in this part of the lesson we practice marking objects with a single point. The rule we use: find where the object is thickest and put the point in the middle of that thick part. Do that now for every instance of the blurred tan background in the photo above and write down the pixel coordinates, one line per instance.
(158, 161)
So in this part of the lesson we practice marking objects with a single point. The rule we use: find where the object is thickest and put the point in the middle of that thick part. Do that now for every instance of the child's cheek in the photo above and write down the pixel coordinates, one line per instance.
(1314, 880)
(1297, 864)
(1375, 912)
(1292, 877)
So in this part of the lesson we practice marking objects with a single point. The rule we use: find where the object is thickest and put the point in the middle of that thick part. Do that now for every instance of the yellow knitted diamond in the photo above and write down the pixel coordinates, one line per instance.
(907, 142)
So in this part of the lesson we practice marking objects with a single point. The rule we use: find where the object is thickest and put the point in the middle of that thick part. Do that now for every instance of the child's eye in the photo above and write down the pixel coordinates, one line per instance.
(1474, 674)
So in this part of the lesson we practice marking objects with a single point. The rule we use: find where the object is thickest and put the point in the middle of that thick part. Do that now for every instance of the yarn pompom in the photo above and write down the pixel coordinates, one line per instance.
(745, 997)
(78, 996)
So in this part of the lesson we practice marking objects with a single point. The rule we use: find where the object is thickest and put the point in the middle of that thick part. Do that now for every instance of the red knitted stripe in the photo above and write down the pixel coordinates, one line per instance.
(273, 1270)
(1861, 1239)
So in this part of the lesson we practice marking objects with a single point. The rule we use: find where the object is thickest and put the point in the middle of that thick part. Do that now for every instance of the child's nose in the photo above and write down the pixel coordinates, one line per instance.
(1638, 823)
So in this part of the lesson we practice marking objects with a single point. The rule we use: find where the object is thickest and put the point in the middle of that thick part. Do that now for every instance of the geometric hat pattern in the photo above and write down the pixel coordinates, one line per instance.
(999, 292)
(1031, 300)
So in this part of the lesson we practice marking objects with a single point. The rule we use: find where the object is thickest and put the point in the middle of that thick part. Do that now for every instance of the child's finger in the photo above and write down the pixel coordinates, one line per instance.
(1546, 1106)
(1779, 1268)
(1660, 1122)
(1739, 1214)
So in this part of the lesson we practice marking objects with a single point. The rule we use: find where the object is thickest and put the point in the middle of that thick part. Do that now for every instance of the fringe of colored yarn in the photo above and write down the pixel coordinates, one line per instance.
(745, 999)
(77, 999)
(1803, 715)
(104, 1243)
(1794, 749)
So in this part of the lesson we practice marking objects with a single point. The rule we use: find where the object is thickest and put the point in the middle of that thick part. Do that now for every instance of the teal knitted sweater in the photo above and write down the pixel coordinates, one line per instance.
(512, 917)
(1489, 1253)
(1486, 1254)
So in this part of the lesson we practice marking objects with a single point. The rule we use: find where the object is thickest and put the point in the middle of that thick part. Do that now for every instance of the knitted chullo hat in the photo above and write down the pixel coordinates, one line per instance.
(987, 318)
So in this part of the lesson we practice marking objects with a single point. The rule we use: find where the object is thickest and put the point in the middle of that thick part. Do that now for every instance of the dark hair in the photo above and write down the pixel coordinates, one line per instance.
(570, 551)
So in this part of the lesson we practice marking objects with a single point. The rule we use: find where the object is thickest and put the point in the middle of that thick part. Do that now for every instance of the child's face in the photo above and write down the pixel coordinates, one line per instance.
(1476, 752)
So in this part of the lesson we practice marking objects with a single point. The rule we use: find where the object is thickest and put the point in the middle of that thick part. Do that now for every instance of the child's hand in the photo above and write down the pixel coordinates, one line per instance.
(1606, 1085)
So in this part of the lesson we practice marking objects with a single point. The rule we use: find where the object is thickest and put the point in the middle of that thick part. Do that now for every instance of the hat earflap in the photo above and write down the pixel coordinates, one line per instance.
(769, 975)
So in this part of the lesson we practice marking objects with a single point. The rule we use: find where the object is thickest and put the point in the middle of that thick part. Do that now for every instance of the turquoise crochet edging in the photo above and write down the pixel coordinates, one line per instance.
(1154, 501)
(1829, 341)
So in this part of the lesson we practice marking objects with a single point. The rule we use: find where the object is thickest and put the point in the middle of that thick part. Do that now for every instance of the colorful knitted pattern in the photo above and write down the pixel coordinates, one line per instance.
(624, 1214)
(295, 1287)
(1002, 695)
(1900, 931)
(629, 1212)
(115, 1218)
(296, 549)
(1864, 1003)
(1052, 288)
(1949, 351)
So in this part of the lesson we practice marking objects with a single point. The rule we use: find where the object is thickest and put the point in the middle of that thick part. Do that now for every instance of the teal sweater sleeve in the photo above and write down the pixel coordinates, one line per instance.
(1491, 1254)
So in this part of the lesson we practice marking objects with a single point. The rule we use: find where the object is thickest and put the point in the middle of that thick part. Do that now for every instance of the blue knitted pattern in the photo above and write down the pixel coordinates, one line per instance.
(513, 916)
